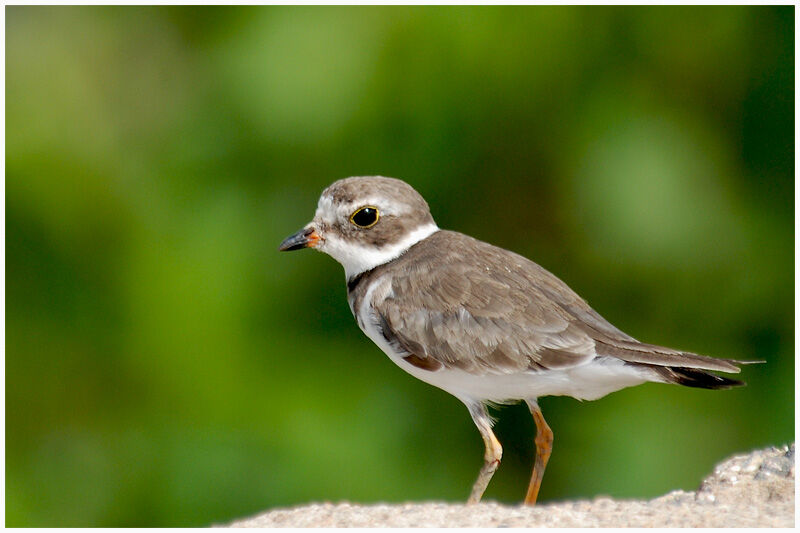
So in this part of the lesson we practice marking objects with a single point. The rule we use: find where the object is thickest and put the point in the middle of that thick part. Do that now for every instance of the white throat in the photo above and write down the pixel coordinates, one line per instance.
(357, 259)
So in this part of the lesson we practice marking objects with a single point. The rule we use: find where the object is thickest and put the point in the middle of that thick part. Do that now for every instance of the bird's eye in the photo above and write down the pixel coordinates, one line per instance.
(366, 217)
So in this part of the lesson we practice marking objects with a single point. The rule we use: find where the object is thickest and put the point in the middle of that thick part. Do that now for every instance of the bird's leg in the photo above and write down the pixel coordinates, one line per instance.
(544, 445)
(491, 458)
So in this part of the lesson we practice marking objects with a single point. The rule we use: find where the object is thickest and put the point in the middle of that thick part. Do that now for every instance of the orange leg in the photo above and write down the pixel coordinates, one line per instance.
(544, 445)
(492, 455)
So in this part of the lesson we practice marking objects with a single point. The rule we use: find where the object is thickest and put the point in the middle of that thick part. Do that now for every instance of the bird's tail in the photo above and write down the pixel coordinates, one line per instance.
(693, 377)
(673, 366)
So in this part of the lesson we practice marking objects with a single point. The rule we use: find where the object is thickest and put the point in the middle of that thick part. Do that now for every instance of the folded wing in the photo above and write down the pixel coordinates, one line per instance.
(497, 312)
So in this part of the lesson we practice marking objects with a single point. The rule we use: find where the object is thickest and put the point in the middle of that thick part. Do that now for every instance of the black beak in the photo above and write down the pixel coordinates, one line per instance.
(305, 238)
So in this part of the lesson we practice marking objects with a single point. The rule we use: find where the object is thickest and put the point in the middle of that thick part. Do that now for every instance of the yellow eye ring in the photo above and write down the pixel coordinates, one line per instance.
(365, 217)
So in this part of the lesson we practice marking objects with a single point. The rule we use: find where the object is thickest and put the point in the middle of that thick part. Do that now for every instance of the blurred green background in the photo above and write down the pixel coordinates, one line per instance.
(166, 366)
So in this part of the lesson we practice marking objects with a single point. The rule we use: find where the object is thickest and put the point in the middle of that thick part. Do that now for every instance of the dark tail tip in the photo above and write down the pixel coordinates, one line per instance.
(692, 377)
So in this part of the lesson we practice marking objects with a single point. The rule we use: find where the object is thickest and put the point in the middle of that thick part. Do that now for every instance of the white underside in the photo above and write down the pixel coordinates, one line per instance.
(589, 381)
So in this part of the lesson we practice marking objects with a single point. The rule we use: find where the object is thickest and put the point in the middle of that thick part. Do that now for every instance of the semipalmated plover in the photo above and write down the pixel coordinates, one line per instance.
(480, 322)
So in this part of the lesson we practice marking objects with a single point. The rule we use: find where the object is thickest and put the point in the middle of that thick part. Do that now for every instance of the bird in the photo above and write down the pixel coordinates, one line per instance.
(482, 323)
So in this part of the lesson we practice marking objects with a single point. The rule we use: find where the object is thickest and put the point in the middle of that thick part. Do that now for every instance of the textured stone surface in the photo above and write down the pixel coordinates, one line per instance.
(753, 490)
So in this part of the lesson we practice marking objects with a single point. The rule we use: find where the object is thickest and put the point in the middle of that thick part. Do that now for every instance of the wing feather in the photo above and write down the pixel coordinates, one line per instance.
(461, 303)
(476, 314)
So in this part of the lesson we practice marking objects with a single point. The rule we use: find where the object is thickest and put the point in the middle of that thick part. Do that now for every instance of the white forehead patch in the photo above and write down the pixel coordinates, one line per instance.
(325, 210)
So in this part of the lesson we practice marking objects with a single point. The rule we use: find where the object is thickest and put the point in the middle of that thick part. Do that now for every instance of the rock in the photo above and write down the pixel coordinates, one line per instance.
(753, 490)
